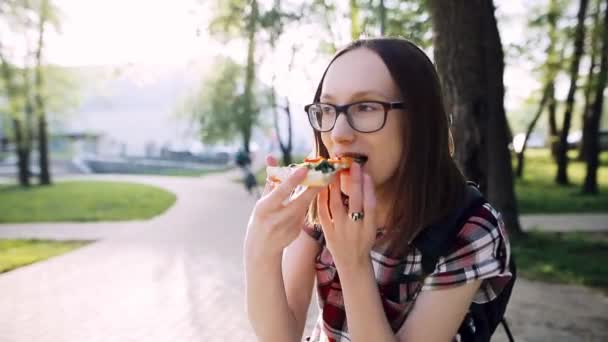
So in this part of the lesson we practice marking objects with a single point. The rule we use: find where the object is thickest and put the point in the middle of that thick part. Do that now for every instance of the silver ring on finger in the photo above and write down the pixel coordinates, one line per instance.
(356, 216)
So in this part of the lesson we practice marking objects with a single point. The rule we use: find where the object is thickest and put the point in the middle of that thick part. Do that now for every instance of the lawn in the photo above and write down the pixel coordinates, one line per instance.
(538, 193)
(575, 258)
(83, 201)
(17, 253)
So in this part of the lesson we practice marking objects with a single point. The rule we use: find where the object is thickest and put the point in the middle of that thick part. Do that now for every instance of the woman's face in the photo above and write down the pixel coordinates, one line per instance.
(360, 75)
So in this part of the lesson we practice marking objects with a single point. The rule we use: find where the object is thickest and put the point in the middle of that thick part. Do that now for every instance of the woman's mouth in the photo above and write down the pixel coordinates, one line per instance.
(357, 157)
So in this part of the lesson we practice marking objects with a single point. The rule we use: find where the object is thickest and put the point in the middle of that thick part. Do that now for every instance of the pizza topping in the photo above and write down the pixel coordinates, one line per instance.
(324, 166)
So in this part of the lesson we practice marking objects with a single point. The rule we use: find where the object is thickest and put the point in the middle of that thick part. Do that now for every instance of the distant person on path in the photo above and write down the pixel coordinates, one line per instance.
(402, 248)
(243, 160)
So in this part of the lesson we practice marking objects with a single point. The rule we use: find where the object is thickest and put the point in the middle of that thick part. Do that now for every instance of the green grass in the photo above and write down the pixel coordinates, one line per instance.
(574, 258)
(538, 193)
(17, 253)
(83, 201)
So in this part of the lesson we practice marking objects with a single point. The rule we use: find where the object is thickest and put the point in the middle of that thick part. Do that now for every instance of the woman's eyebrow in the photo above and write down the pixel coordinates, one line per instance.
(356, 95)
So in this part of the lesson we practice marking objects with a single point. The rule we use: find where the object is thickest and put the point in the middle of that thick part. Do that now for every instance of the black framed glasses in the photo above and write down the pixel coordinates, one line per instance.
(362, 116)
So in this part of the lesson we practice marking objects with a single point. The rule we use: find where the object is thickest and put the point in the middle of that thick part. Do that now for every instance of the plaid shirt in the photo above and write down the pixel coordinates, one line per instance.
(481, 251)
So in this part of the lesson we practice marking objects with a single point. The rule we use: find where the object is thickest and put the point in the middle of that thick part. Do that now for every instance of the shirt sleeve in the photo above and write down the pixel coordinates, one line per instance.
(314, 231)
(481, 251)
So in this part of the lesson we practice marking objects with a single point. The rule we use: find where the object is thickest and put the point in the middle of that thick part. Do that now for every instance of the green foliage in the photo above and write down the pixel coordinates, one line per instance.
(538, 193)
(61, 89)
(83, 201)
(407, 19)
(230, 20)
(218, 105)
(17, 253)
(574, 258)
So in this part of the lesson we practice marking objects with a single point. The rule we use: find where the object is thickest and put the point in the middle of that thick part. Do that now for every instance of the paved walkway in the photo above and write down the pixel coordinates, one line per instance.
(179, 277)
(566, 222)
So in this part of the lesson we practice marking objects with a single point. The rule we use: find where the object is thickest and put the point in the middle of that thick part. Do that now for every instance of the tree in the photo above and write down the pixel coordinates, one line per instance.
(470, 61)
(355, 24)
(562, 147)
(17, 14)
(592, 147)
(590, 86)
(218, 104)
(408, 19)
(550, 70)
(28, 96)
(240, 18)
(275, 21)
(43, 150)
(14, 99)
(286, 147)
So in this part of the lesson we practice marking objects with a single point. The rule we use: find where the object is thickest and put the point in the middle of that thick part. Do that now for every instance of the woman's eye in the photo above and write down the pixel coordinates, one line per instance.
(327, 109)
(365, 108)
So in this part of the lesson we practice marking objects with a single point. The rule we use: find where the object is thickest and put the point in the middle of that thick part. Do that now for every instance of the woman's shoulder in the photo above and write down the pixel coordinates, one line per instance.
(484, 225)
(480, 251)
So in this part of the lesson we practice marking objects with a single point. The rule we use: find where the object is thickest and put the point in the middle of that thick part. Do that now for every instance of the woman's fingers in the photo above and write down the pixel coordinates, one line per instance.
(369, 202)
(355, 199)
(335, 201)
(323, 208)
(282, 192)
(270, 161)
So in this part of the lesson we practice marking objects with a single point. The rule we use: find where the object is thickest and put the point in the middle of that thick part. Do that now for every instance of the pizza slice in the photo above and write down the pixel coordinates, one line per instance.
(321, 171)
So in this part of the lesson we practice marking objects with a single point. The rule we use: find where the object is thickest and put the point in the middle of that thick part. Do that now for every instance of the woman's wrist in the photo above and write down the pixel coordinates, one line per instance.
(355, 268)
(261, 255)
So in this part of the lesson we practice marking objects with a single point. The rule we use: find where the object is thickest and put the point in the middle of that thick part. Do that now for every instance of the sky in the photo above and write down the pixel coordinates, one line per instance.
(171, 34)
(128, 31)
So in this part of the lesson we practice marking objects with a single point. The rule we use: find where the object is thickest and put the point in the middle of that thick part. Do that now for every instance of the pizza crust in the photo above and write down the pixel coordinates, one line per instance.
(313, 178)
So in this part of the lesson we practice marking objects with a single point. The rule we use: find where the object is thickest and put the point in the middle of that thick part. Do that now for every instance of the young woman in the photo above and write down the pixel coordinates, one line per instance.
(378, 98)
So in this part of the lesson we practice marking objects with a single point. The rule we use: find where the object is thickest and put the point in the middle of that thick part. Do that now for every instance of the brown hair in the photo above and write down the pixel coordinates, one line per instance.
(427, 184)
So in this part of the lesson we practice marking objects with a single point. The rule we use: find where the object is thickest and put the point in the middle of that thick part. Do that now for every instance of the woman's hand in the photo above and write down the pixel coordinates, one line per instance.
(274, 222)
(349, 241)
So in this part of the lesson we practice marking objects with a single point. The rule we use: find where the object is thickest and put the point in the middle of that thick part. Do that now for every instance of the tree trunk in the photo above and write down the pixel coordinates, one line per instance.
(470, 62)
(249, 112)
(520, 154)
(554, 65)
(592, 153)
(551, 68)
(21, 148)
(551, 113)
(382, 11)
(286, 148)
(355, 25)
(590, 86)
(562, 147)
(23, 158)
(43, 150)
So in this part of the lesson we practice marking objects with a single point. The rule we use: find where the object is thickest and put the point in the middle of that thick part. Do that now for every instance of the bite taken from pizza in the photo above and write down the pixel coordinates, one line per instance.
(321, 171)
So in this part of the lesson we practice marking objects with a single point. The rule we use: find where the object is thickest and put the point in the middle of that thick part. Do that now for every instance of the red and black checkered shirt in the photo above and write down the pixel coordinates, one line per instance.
(481, 251)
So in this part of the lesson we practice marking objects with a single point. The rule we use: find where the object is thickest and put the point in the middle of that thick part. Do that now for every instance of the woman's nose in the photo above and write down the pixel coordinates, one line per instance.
(342, 131)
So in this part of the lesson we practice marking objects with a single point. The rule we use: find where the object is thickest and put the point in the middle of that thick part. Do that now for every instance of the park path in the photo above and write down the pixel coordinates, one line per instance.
(179, 277)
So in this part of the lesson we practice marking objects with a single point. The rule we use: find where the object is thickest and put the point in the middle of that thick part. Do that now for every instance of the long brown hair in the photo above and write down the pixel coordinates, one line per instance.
(427, 184)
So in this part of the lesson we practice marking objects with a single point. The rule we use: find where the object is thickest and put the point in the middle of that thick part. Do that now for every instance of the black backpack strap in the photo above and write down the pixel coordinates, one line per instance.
(435, 240)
